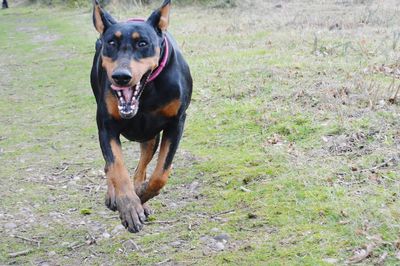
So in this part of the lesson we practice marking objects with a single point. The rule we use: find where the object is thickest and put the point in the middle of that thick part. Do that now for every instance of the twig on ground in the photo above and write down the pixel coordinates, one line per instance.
(25, 167)
(20, 253)
(242, 188)
(76, 245)
(162, 222)
(247, 229)
(63, 181)
(396, 38)
(372, 169)
(79, 163)
(37, 242)
(362, 254)
(351, 183)
(93, 252)
(111, 217)
(62, 171)
(221, 213)
(91, 180)
(164, 261)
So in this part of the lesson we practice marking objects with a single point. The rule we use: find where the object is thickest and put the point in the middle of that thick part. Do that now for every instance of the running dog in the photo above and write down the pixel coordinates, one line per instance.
(142, 86)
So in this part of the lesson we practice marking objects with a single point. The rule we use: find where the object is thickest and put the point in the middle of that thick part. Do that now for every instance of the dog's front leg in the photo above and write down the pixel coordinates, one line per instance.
(169, 144)
(121, 195)
(147, 150)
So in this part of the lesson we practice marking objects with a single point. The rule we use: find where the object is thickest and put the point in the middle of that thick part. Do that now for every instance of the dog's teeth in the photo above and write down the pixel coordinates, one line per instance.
(119, 93)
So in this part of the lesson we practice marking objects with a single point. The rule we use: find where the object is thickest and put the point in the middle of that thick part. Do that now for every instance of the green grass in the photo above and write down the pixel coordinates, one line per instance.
(263, 141)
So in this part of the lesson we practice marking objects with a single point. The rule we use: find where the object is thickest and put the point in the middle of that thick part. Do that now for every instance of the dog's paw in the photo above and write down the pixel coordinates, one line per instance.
(145, 192)
(140, 190)
(147, 210)
(131, 212)
(110, 200)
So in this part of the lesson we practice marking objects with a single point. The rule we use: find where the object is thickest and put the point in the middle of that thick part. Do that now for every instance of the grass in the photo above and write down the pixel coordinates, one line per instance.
(290, 148)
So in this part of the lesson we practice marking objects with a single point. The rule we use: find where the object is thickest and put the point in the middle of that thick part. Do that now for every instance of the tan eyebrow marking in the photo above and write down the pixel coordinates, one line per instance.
(135, 35)
(118, 34)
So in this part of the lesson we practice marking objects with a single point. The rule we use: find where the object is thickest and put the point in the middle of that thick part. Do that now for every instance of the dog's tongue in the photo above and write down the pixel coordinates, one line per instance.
(127, 92)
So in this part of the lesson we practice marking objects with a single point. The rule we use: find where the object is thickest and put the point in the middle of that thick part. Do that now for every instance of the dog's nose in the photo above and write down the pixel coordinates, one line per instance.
(121, 77)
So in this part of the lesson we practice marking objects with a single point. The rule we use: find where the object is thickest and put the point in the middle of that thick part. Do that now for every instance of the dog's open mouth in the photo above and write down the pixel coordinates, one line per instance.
(128, 98)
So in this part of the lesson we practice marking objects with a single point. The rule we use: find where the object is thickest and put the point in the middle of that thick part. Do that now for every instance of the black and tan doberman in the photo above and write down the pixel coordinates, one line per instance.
(142, 86)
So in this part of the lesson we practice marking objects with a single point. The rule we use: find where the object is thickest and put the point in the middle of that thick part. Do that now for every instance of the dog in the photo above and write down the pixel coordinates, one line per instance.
(143, 87)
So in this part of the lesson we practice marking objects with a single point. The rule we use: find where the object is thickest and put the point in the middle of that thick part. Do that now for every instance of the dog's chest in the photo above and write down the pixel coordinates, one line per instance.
(143, 127)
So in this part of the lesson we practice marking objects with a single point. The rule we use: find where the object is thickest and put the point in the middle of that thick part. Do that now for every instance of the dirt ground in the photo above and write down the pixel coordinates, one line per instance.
(290, 155)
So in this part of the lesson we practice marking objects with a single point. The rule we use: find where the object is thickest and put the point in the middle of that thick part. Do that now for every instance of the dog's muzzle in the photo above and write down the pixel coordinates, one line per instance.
(128, 97)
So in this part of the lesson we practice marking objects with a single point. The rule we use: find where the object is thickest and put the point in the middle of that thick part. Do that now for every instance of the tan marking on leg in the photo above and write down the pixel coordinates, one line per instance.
(160, 175)
(126, 201)
(158, 183)
(117, 173)
(146, 154)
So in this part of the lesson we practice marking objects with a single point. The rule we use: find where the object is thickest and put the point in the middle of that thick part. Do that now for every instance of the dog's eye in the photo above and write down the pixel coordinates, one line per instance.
(142, 44)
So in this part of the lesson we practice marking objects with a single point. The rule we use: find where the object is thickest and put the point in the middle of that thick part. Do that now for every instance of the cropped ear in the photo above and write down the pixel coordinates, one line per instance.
(159, 19)
(101, 19)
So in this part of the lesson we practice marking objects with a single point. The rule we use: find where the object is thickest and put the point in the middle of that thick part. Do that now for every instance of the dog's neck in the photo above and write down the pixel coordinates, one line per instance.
(163, 59)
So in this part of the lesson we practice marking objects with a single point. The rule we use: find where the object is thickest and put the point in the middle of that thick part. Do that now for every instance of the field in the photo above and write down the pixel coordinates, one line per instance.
(290, 154)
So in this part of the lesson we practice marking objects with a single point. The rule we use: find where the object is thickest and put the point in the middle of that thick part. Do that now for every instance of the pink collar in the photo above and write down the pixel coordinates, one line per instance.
(160, 67)
(163, 62)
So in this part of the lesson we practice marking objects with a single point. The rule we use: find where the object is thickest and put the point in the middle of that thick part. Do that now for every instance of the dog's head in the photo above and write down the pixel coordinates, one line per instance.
(130, 51)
